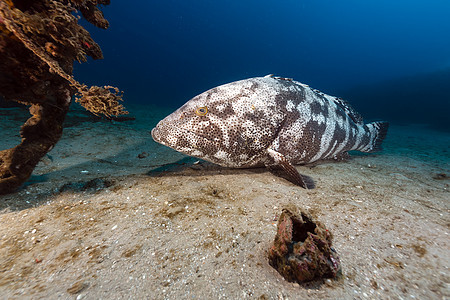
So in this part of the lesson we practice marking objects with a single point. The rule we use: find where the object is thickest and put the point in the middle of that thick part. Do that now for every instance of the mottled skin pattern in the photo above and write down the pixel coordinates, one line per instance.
(269, 121)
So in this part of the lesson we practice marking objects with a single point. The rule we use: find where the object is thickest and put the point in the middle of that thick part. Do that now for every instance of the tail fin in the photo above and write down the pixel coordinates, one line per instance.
(378, 131)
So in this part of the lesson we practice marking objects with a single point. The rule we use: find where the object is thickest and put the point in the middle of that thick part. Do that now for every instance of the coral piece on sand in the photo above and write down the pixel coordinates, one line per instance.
(302, 249)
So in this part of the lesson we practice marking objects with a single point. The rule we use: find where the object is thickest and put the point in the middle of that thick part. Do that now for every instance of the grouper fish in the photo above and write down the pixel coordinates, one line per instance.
(268, 121)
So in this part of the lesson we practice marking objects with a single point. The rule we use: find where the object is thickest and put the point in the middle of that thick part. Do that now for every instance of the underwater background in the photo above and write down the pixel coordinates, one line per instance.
(109, 213)
(389, 59)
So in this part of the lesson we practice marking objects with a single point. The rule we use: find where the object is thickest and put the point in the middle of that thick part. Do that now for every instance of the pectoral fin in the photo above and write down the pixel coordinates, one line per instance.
(289, 170)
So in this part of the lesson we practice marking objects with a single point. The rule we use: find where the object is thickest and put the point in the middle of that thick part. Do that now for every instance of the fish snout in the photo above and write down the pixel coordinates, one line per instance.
(154, 134)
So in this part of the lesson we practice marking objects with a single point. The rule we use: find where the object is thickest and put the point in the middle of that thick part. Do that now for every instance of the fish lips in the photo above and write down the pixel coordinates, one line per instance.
(189, 147)
(155, 137)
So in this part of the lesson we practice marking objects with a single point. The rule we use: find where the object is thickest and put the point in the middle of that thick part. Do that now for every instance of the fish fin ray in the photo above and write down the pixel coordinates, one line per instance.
(279, 160)
(349, 110)
(380, 128)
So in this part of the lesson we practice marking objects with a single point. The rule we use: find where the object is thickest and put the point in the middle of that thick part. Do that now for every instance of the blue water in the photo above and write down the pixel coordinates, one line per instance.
(390, 59)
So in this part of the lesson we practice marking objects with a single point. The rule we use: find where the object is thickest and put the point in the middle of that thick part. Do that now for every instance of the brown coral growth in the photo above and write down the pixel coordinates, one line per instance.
(39, 41)
(302, 249)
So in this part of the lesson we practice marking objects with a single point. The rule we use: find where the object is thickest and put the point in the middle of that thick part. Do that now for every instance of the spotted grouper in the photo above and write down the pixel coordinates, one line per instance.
(268, 121)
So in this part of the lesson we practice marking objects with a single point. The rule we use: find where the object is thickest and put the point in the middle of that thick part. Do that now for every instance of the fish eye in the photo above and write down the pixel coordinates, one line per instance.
(201, 111)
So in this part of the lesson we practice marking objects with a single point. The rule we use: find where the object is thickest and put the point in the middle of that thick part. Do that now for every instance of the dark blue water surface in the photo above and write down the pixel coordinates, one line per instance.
(390, 59)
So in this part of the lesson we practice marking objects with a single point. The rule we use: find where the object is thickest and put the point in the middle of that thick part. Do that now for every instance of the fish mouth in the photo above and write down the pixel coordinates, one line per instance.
(153, 134)
(200, 135)
(156, 135)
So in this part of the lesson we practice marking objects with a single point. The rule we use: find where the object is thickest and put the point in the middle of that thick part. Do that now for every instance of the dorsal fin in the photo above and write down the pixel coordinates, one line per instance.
(349, 110)
(278, 77)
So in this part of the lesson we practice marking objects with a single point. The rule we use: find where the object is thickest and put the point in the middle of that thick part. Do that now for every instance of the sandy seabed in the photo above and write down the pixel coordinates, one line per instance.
(110, 214)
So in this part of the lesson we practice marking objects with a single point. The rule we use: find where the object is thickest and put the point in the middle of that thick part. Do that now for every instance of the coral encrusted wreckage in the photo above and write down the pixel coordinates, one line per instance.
(302, 249)
(39, 42)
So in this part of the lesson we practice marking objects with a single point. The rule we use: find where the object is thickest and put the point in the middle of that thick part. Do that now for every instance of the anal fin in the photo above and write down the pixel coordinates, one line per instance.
(289, 170)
